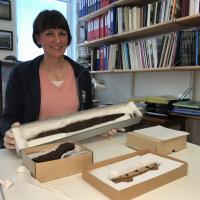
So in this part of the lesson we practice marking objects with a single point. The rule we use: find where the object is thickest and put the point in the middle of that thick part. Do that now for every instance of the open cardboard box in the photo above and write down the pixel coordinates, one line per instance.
(54, 169)
(166, 141)
(134, 190)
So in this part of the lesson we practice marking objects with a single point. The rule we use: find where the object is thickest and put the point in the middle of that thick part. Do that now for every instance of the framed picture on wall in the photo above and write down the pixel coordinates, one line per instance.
(6, 40)
(5, 9)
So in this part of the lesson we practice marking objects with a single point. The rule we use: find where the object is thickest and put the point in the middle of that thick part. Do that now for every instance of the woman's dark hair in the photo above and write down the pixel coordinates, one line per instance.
(50, 19)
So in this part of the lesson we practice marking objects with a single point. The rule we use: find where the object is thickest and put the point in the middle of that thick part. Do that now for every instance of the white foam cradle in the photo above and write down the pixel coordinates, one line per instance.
(25, 135)
(25, 186)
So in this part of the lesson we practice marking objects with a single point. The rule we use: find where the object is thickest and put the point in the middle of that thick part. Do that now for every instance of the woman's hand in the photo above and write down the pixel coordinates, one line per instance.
(9, 140)
(110, 134)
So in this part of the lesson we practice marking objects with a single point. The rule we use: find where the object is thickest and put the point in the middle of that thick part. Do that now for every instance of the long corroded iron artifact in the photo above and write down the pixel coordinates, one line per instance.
(76, 126)
(128, 176)
(55, 154)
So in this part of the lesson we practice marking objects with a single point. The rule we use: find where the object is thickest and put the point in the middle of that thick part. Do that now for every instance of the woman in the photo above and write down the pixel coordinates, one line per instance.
(49, 85)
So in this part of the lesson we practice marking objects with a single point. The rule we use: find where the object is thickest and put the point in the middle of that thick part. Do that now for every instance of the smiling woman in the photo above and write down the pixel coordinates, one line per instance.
(49, 85)
(25, 17)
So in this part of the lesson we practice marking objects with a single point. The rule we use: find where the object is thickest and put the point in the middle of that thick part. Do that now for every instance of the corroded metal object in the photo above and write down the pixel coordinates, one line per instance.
(128, 177)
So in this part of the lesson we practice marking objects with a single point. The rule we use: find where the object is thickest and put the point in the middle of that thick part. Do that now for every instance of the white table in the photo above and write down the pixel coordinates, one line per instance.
(185, 188)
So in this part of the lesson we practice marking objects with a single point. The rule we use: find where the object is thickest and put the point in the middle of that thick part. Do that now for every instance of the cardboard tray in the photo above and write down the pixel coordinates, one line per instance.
(54, 169)
(138, 189)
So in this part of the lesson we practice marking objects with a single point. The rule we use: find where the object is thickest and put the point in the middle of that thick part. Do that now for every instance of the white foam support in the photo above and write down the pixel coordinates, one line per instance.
(24, 133)
(26, 187)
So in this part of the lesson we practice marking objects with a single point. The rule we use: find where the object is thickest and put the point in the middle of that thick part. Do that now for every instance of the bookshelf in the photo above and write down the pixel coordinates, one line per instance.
(115, 4)
(145, 32)
(168, 69)
(157, 29)
(172, 25)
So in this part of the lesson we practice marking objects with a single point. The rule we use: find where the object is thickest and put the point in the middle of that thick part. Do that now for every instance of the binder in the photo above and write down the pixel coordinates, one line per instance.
(101, 58)
(186, 111)
(102, 26)
(188, 104)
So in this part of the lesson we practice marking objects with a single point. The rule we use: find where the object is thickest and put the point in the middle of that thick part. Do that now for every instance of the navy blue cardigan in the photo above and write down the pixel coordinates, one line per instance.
(23, 92)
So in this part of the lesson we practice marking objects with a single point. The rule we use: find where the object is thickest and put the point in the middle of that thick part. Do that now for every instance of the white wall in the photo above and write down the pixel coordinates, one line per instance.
(162, 83)
(9, 25)
(197, 86)
(118, 87)
(122, 86)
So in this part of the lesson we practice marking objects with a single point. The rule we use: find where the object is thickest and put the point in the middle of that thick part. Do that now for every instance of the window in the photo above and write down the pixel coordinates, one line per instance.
(26, 13)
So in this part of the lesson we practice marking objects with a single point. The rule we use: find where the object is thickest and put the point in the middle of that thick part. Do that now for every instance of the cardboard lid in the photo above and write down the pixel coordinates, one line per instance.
(161, 133)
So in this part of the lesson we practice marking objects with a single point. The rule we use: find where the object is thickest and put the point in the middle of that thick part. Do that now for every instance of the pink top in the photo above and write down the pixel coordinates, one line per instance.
(58, 100)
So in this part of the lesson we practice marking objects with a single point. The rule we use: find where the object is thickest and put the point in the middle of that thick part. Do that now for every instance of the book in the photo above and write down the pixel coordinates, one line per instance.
(187, 104)
(186, 111)
(165, 99)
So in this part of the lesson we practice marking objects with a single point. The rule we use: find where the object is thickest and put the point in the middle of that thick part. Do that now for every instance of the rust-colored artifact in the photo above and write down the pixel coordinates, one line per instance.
(128, 177)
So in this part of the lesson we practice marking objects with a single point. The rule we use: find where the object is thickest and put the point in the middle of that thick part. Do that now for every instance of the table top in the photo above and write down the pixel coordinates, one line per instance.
(184, 188)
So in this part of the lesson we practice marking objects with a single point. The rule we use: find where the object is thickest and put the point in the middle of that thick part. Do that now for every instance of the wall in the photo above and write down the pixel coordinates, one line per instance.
(9, 25)
(118, 87)
(162, 83)
(122, 86)
(197, 86)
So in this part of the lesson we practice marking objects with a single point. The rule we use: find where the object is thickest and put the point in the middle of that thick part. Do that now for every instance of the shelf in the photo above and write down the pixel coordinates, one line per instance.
(187, 68)
(188, 21)
(157, 29)
(166, 69)
(132, 71)
(115, 4)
